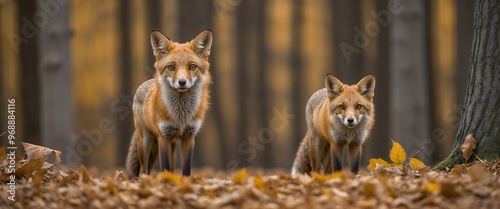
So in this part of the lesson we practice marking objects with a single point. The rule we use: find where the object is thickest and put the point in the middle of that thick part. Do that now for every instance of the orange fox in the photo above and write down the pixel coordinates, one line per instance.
(170, 108)
(337, 116)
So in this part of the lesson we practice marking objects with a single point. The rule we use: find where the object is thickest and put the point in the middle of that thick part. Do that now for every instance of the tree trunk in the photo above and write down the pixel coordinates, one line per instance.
(481, 112)
(409, 98)
(30, 98)
(54, 68)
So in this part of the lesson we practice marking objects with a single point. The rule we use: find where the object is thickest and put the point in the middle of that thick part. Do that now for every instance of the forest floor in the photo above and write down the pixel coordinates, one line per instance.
(39, 184)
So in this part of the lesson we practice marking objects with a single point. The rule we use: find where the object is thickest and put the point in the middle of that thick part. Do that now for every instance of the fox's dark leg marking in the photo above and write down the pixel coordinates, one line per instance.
(337, 163)
(186, 168)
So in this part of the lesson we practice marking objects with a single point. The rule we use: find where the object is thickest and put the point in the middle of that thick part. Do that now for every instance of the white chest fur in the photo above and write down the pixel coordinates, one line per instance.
(182, 107)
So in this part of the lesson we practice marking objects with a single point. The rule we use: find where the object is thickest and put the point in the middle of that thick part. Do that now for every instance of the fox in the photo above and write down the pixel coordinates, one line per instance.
(169, 109)
(338, 115)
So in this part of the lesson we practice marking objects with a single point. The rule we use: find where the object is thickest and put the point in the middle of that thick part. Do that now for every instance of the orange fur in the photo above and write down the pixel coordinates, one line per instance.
(170, 108)
(337, 116)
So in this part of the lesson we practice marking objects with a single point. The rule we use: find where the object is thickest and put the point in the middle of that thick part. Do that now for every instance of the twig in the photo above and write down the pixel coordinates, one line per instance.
(2, 133)
(420, 150)
(481, 160)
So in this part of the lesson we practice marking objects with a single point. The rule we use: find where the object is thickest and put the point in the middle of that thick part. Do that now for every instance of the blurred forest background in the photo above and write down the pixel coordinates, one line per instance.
(73, 67)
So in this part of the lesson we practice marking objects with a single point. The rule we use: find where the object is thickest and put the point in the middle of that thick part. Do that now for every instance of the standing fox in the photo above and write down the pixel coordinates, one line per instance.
(337, 115)
(170, 108)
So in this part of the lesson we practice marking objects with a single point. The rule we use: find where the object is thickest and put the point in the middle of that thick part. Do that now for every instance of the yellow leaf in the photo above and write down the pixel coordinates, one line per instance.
(432, 187)
(258, 181)
(397, 154)
(241, 177)
(170, 177)
(374, 161)
(320, 178)
(416, 164)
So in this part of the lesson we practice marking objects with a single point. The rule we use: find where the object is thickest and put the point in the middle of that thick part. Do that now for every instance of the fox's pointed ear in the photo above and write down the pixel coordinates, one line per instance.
(333, 86)
(366, 86)
(160, 43)
(203, 42)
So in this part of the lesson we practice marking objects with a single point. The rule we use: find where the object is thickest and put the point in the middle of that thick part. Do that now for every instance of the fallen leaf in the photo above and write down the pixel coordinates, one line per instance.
(397, 153)
(3, 154)
(170, 177)
(30, 166)
(241, 177)
(84, 174)
(468, 146)
(38, 178)
(374, 161)
(479, 173)
(35, 151)
(258, 181)
(448, 190)
(369, 190)
(416, 164)
(323, 178)
(431, 187)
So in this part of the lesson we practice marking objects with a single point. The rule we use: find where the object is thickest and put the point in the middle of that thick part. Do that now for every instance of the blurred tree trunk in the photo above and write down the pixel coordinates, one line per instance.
(54, 68)
(349, 40)
(409, 95)
(377, 61)
(442, 23)
(125, 124)
(481, 112)
(29, 84)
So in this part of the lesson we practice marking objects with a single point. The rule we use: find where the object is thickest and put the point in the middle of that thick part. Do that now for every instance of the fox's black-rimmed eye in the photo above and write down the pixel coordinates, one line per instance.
(171, 67)
(192, 67)
(341, 107)
(358, 107)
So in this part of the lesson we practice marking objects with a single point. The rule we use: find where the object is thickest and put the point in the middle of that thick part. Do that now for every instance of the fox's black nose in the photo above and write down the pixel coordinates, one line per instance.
(182, 82)
(350, 120)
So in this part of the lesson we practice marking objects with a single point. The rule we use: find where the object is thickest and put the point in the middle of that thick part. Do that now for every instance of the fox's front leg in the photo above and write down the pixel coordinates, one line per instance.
(187, 147)
(354, 156)
(167, 154)
(336, 153)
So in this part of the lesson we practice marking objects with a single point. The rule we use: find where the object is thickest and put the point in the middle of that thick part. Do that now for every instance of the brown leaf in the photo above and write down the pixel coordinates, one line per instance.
(369, 190)
(84, 174)
(38, 178)
(448, 190)
(35, 151)
(479, 173)
(3, 155)
(468, 146)
(31, 166)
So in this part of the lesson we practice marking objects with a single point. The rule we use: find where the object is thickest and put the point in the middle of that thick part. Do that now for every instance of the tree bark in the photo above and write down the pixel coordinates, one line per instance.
(481, 112)
(409, 97)
(28, 64)
(54, 68)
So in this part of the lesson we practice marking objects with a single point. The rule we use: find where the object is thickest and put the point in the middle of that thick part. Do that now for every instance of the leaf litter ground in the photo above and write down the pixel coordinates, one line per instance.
(43, 185)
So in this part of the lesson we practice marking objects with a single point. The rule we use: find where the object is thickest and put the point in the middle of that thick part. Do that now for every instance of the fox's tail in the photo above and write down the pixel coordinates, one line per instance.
(301, 164)
(133, 166)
